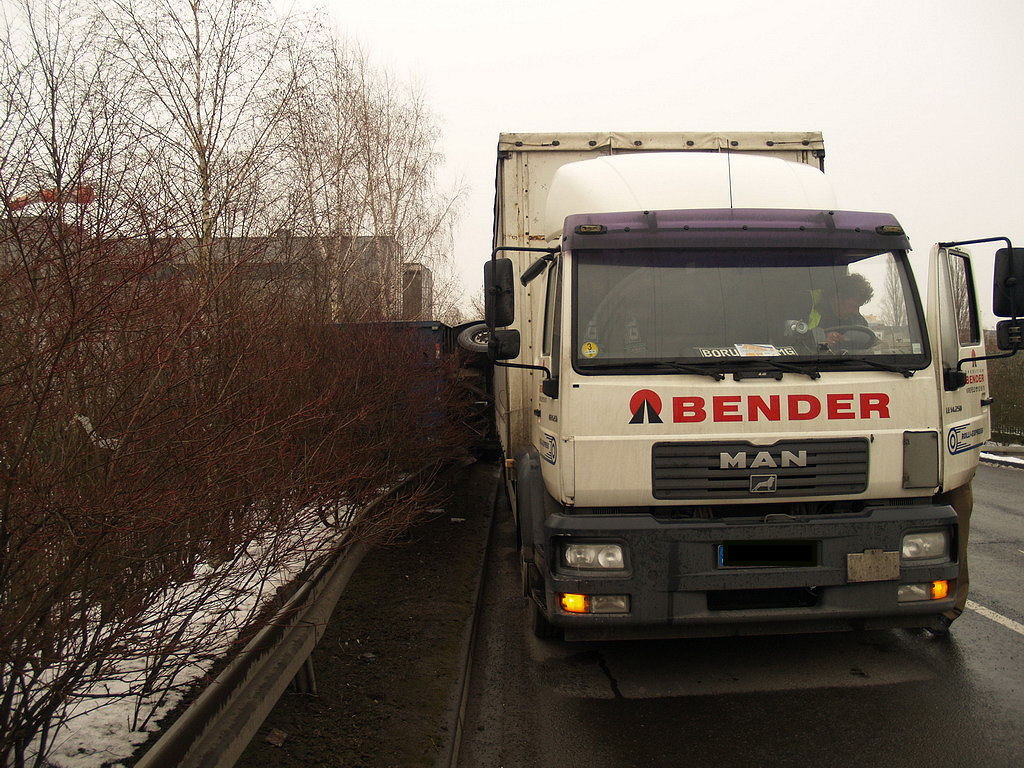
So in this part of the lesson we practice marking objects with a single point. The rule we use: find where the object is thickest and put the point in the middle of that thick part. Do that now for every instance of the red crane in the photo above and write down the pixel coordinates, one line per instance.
(79, 195)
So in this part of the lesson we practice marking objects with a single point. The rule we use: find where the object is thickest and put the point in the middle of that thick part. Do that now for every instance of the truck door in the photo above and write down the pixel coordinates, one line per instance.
(964, 404)
(547, 431)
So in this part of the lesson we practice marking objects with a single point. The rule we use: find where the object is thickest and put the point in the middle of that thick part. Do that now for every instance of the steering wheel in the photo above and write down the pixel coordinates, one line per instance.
(870, 338)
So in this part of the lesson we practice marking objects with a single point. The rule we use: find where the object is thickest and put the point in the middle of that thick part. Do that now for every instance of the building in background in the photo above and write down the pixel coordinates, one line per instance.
(340, 278)
(417, 292)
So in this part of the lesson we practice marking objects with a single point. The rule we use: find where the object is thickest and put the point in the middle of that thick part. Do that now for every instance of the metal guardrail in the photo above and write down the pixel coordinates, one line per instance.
(1003, 450)
(217, 727)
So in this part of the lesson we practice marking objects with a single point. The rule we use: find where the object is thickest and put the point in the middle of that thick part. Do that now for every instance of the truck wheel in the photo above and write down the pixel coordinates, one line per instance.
(474, 338)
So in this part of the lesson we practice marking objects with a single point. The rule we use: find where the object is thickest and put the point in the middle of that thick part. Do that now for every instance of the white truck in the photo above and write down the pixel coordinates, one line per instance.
(724, 405)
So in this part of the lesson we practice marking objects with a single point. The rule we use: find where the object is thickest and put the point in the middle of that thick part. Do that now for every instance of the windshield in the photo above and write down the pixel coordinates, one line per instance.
(735, 307)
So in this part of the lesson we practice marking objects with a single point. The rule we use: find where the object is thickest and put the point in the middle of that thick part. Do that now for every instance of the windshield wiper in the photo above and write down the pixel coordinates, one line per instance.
(773, 363)
(696, 370)
(906, 372)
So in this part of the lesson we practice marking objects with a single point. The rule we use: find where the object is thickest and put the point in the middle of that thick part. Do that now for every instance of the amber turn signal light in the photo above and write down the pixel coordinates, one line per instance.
(575, 603)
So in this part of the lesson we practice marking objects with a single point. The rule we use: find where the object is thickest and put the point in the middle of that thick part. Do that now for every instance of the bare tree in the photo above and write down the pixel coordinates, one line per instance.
(960, 278)
(216, 85)
(362, 178)
(156, 426)
(894, 305)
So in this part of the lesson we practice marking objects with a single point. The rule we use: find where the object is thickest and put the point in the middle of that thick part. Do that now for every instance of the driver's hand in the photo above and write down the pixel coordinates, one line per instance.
(834, 337)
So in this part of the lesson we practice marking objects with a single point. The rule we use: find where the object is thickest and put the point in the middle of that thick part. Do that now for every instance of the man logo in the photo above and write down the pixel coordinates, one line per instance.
(764, 483)
(761, 459)
(645, 405)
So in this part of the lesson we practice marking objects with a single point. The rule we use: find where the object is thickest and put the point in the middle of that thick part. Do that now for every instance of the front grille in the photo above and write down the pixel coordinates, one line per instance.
(743, 470)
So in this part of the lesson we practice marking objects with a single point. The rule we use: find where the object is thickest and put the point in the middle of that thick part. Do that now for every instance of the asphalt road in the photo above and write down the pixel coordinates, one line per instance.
(893, 698)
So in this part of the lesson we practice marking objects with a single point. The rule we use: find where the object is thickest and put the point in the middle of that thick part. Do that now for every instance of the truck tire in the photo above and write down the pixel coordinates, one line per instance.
(529, 509)
(474, 338)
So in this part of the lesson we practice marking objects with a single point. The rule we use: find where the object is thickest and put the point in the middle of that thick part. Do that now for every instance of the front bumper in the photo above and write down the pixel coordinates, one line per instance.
(677, 588)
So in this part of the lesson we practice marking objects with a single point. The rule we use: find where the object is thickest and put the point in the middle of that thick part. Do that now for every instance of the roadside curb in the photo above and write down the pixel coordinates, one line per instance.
(448, 755)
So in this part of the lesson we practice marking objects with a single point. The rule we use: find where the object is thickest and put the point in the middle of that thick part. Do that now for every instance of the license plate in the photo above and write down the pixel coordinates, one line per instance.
(768, 554)
(873, 565)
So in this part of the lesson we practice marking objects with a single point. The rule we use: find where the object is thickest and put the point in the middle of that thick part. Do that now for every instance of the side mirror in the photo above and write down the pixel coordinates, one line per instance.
(1008, 283)
(1010, 334)
(503, 345)
(499, 297)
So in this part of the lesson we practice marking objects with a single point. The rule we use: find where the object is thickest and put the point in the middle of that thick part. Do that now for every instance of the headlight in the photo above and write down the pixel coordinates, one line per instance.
(598, 557)
(926, 545)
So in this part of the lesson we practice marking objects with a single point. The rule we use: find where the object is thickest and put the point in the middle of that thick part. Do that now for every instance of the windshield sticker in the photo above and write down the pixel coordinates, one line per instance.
(747, 350)
(757, 350)
(589, 349)
(718, 352)
(633, 340)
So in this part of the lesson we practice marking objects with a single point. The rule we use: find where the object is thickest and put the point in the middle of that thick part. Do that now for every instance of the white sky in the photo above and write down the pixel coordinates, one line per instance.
(919, 102)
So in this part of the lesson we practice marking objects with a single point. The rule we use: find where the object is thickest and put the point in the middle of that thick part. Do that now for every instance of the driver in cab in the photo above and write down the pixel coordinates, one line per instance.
(835, 316)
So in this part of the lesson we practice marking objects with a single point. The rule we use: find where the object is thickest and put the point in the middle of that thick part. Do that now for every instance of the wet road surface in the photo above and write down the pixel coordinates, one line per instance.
(894, 698)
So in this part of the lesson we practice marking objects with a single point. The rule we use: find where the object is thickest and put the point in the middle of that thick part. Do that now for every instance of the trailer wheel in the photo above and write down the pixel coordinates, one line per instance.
(474, 338)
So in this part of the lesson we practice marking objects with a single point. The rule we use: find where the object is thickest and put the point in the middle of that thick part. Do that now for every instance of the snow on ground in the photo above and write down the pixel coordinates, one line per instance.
(1017, 460)
(110, 720)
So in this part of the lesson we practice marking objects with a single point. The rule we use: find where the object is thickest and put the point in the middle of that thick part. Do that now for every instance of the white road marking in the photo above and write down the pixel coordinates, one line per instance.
(996, 617)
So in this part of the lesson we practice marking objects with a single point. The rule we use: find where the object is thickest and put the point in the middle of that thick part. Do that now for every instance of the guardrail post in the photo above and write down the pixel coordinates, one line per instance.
(304, 681)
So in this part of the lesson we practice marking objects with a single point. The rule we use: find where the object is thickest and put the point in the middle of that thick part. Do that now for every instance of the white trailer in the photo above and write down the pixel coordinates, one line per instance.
(723, 405)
